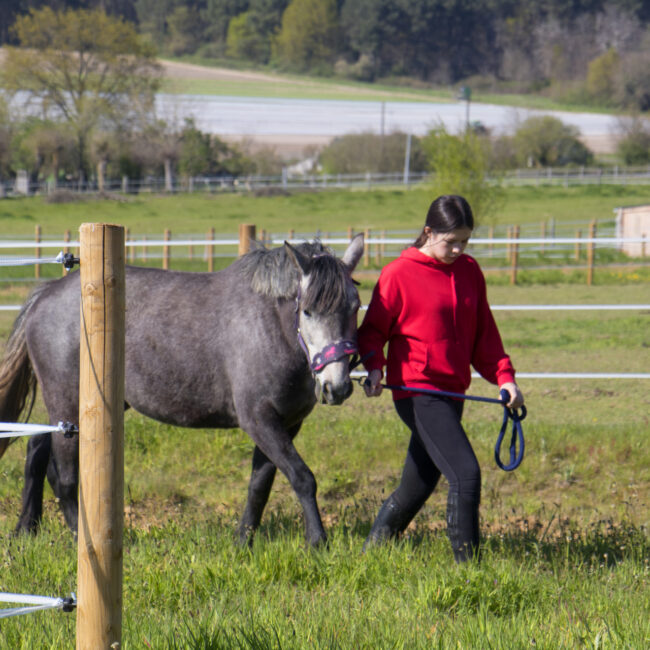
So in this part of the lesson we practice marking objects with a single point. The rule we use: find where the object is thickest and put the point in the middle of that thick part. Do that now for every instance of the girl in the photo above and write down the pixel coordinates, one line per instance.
(430, 305)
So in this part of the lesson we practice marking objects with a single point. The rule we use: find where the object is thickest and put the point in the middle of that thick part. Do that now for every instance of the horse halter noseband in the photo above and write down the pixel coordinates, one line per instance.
(331, 353)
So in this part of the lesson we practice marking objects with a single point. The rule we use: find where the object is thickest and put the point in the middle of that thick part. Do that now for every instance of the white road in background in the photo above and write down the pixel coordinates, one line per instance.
(233, 116)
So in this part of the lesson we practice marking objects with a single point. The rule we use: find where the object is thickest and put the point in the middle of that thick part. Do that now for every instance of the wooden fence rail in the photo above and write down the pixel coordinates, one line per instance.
(376, 250)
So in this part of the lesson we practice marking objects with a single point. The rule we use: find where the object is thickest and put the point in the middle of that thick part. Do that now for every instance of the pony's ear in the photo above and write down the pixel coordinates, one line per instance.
(302, 262)
(353, 252)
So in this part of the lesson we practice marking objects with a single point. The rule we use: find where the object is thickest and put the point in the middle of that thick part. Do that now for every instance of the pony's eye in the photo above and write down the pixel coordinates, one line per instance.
(307, 313)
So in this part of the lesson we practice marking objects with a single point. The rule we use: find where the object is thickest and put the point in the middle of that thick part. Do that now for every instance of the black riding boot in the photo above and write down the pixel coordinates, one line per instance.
(462, 527)
(391, 520)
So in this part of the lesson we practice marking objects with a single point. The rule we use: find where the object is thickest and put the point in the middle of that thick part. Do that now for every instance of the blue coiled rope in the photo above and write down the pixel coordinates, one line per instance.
(516, 455)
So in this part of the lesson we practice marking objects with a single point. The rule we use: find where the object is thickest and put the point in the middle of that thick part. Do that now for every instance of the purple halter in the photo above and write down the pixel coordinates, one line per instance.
(330, 353)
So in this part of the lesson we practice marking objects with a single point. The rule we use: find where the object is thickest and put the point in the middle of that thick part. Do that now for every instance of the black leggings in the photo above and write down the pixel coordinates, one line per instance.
(439, 445)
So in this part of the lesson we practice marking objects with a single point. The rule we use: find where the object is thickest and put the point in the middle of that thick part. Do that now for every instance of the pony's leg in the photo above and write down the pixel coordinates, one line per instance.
(63, 476)
(38, 456)
(267, 431)
(259, 488)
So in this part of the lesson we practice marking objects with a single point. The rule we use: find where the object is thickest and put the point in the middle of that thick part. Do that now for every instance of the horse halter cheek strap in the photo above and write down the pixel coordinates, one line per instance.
(331, 353)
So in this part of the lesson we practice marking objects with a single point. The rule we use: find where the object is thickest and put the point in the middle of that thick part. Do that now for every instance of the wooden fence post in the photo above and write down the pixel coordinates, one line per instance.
(366, 253)
(591, 247)
(350, 233)
(37, 251)
(292, 234)
(166, 249)
(210, 251)
(246, 235)
(514, 256)
(577, 249)
(101, 438)
(66, 249)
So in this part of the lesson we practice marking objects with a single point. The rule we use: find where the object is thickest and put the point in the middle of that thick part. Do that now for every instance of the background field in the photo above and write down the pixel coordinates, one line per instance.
(566, 560)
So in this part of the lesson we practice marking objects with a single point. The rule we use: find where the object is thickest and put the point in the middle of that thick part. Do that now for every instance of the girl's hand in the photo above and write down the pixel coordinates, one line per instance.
(516, 396)
(372, 385)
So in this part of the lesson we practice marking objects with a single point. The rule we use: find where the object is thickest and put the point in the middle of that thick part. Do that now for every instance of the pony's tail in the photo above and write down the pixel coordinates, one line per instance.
(17, 378)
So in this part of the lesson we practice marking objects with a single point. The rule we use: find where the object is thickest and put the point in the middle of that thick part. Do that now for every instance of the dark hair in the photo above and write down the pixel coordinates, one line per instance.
(446, 213)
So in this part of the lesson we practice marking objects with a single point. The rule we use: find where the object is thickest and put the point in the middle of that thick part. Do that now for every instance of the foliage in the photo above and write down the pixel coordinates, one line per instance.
(185, 28)
(5, 139)
(546, 141)
(460, 165)
(554, 48)
(45, 148)
(251, 32)
(367, 152)
(634, 144)
(634, 91)
(83, 67)
(307, 38)
(602, 76)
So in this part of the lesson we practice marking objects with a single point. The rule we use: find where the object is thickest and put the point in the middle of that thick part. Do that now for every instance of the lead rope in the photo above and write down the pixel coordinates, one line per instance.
(516, 456)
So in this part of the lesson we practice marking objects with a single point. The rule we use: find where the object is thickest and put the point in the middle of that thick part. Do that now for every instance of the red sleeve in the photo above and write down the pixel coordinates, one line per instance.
(377, 323)
(489, 357)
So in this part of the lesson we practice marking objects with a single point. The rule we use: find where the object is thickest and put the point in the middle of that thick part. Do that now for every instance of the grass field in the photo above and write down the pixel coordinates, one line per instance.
(334, 210)
(208, 79)
(567, 558)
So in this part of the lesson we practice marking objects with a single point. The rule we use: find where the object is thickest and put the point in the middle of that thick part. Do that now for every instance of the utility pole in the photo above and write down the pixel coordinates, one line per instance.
(465, 94)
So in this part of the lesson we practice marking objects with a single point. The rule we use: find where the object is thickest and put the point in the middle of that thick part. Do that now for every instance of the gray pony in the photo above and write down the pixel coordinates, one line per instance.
(253, 346)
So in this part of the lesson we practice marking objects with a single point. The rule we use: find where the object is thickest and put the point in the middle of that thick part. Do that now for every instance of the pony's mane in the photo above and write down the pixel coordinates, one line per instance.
(272, 273)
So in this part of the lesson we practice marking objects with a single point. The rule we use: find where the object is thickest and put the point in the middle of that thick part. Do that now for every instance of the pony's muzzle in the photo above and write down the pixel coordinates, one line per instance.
(335, 394)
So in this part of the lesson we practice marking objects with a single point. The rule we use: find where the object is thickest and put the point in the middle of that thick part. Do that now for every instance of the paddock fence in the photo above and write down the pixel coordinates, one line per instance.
(286, 181)
(380, 249)
(577, 246)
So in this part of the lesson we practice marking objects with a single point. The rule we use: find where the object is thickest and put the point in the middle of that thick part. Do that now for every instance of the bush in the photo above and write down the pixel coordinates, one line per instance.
(367, 152)
(461, 164)
(634, 145)
(546, 141)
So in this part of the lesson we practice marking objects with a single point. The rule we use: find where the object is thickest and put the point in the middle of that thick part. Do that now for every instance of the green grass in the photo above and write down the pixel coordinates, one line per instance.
(332, 210)
(566, 561)
(566, 556)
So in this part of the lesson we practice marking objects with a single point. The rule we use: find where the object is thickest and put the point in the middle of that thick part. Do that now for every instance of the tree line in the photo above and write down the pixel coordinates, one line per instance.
(87, 83)
(594, 52)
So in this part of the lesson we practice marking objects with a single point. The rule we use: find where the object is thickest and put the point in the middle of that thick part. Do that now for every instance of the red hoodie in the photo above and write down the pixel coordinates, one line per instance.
(437, 322)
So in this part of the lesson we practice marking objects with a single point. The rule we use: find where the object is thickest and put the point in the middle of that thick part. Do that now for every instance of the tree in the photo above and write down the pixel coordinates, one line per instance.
(307, 39)
(602, 76)
(460, 164)
(5, 139)
(83, 68)
(42, 147)
(196, 155)
(546, 141)
(634, 143)
(185, 30)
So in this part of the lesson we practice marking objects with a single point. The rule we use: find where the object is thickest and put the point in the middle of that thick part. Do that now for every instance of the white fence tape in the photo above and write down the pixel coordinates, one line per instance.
(30, 261)
(558, 375)
(15, 429)
(35, 603)
(334, 241)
